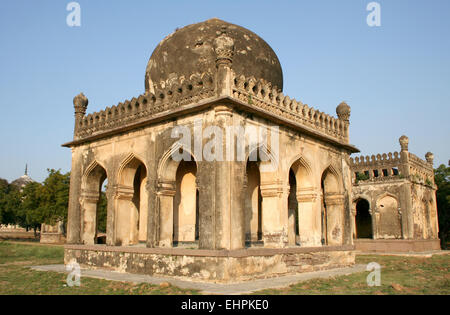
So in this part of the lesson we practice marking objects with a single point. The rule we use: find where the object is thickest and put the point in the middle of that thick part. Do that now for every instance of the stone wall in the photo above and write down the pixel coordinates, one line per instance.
(211, 265)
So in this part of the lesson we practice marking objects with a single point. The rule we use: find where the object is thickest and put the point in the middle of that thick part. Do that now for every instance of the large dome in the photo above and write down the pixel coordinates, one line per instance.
(191, 50)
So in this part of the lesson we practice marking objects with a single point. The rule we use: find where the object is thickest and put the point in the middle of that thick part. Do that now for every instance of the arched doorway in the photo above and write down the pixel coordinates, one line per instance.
(132, 203)
(252, 205)
(303, 217)
(332, 209)
(93, 205)
(363, 219)
(185, 206)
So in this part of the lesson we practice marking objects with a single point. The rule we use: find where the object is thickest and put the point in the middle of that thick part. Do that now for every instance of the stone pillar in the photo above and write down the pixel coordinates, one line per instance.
(110, 214)
(274, 219)
(166, 193)
(309, 218)
(124, 208)
(376, 223)
(407, 209)
(74, 211)
(353, 219)
(153, 213)
(88, 201)
(335, 218)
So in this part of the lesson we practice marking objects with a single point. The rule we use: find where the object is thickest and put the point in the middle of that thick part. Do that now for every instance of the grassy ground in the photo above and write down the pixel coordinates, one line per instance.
(399, 275)
(17, 278)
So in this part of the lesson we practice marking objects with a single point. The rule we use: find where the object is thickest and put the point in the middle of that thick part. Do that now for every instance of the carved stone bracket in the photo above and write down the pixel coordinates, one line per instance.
(124, 192)
(166, 188)
(272, 189)
(334, 199)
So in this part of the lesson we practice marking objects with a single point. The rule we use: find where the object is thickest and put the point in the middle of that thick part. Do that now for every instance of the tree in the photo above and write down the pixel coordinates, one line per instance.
(31, 214)
(55, 197)
(442, 180)
(9, 202)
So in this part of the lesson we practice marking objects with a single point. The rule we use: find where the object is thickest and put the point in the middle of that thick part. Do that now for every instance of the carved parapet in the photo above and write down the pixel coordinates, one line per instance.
(384, 164)
(262, 94)
(168, 96)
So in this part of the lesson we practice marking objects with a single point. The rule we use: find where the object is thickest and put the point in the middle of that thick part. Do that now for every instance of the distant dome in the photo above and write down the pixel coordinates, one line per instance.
(191, 50)
(22, 181)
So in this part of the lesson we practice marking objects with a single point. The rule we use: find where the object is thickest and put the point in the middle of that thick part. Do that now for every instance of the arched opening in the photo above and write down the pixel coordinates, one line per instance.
(185, 205)
(252, 205)
(303, 214)
(132, 203)
(94, 206)
(102, 210)
(293, 218)
(332, 213)
(363, 219)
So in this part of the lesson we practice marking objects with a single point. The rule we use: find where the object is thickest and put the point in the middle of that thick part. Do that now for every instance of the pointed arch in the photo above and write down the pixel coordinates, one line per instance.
(131, 162)
(270, 161)
(91, 186)
(167, 167)
(131, 201)
(331, 180)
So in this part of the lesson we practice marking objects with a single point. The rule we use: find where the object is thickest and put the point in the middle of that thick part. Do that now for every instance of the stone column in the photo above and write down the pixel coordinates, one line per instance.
(166, 192)
(110, 214)
(309, 219)
(353, 219)
(335, 218)
(124, 207)
(407, 221)
(274, 219)
(153, 213)
(88, 201)
(74, 211)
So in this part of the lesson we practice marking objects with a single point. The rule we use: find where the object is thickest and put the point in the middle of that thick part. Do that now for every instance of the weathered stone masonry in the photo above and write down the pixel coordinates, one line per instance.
(220, 220)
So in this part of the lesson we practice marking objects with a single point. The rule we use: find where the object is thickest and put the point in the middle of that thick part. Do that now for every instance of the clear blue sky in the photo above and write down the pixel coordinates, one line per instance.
(395, 77)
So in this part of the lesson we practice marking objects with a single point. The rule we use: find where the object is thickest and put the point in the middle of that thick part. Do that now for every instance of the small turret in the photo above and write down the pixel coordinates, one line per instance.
(343, 111)
(404, 141)
(429, 157)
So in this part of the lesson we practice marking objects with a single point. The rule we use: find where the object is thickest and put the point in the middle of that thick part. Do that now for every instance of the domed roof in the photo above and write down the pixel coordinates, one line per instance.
(22, 181)
(191, 50)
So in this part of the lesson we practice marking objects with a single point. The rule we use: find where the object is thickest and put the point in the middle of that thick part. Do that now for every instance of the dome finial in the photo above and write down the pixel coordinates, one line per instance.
(343, 111)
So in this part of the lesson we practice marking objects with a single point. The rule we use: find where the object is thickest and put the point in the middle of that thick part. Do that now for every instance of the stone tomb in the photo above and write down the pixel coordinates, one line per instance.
(281, 204)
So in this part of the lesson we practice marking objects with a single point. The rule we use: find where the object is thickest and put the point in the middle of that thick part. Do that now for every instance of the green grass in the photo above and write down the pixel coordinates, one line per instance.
(399, 275)
(17, 278)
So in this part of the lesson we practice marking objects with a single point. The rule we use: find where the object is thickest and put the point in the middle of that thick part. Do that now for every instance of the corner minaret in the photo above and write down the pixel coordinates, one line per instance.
(80, 103)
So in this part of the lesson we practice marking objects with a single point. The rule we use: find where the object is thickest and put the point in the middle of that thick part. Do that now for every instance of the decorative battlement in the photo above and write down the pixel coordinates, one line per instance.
(262, 94)
(404, 164)
(179, 93)
(380, 160)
